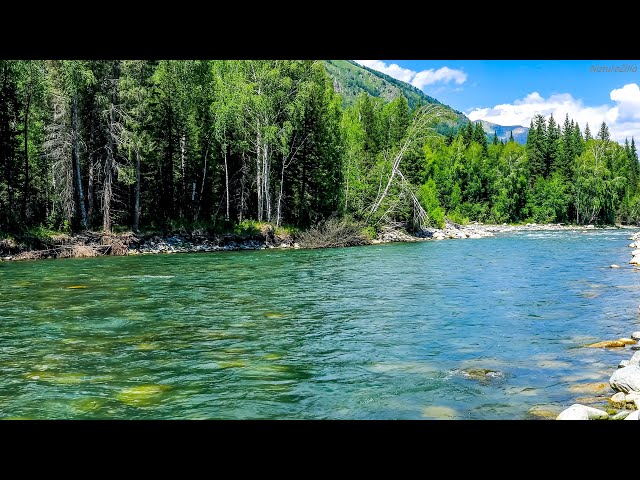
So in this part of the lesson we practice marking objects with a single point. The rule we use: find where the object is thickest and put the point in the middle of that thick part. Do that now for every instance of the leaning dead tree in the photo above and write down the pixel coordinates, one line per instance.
(418, 131)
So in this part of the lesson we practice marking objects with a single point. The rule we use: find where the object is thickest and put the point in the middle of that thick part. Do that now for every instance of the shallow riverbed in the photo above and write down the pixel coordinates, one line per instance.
(487, 328)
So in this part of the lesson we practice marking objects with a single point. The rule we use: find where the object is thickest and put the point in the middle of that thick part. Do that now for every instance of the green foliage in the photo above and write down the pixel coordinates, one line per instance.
(198, 145)
(428, 197)
(457, 217)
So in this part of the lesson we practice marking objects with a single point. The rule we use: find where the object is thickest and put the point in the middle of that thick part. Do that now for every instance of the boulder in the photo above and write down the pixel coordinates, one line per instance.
(633, 415)
(635, 347)
(635, 260)
(582, 412)
(635, 335)
(635, 252)
(626, 379)
(623, 363)
(632, 397)
(618, 398)
(635, 360)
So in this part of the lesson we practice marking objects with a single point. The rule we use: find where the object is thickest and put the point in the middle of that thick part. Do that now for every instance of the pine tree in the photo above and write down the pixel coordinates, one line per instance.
(495, 137)
(551, 148)
(511, 136)
(536, 147)
(479, 136)
(603, 133)
(587, 133)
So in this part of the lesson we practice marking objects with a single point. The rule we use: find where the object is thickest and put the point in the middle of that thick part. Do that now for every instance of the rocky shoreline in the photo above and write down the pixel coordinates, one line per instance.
(91, 244)
(625, 381)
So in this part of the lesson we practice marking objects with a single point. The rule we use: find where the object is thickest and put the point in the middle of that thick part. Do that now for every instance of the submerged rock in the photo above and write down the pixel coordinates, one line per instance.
(141, 395)
(627, 341)
(481, 374)
(626, 379)
(613, 265)
(607, 344)
(543, 412)
(582, 412)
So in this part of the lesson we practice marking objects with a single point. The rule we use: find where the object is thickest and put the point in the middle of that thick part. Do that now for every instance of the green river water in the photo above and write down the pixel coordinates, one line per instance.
(469, 329)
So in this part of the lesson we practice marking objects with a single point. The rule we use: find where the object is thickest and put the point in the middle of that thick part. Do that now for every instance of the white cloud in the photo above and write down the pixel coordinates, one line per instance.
(623, 117)
(396, 71)
(418, 79)
(443, 74)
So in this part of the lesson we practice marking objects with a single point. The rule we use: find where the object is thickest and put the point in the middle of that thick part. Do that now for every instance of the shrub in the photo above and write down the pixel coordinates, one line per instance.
(333, 232)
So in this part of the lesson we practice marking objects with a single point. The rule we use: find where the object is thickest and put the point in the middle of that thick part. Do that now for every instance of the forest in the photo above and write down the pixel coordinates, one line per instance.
(174, 145)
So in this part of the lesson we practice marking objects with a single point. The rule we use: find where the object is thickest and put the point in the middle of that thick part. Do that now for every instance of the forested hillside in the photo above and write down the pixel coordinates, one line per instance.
(168, 145)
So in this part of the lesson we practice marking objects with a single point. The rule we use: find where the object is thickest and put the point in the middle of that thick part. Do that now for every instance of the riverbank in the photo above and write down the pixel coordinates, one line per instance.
(93, 244)
(624, 404)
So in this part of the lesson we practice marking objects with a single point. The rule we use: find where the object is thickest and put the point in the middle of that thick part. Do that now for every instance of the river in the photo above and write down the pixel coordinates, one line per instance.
(488, 328)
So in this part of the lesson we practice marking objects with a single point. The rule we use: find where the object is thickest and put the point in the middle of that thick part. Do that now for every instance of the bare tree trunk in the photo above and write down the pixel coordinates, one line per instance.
(107, 191)
(92, 163)
(25, 188)
(226, 180)
(259, 172)
(265, 178)
(242, 188)
(278, 209)
(75, 158)
(204, 178)
(183, 141)
(136, 208)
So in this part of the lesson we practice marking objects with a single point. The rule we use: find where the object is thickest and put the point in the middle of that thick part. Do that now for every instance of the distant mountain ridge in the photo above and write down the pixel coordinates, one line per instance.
(520, 133)
(350, 79)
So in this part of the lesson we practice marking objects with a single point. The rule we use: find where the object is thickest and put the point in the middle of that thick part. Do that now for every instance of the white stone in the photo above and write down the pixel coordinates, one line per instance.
(636, 252)
(618, 398)
(582, 412)
(626, 379)
(635, 360)
(621, 415)
(633, 245)
(623, 363)
(635, 260)
(630, 397)
(635, 335)
(633, 415)
(613, 265)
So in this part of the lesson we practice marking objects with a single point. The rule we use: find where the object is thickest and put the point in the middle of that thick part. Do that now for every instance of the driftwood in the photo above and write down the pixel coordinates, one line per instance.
(84, 245)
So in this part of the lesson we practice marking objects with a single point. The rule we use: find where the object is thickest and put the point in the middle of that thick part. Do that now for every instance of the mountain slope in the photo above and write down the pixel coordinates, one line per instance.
(520, 133)
(351, 79)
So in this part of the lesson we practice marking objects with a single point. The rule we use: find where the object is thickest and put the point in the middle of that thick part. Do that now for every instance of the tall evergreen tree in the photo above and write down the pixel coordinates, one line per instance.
(587, 133)
(603, 133)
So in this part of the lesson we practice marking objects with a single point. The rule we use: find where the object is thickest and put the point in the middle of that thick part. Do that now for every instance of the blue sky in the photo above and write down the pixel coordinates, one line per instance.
(512, 91)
